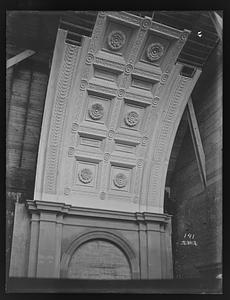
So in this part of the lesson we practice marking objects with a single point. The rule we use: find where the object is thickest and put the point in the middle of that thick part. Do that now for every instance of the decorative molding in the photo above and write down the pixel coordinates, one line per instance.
(126, 17)
(36, 206)
(141, 98)
(136, 47)
(164, 29)
(154, 51)
(163, 136)
(67, 191)
(153, 73)
(169, 118)
(116, 40)
(96, 111)
(176, 51)
(85, 175)
(136, 199)
(102, 195)
(102, 89)
(63, 86)
(113, 65)
(132, 118)
(120, 180)
(154, 183)
(86, 71)
(97, 32)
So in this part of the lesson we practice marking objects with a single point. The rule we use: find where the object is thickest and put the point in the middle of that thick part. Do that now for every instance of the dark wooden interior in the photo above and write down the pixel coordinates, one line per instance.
(194, 208)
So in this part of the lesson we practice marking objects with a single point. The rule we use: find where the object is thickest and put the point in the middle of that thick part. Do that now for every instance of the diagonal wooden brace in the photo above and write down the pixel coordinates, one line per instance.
(196, 139)
(19, 57)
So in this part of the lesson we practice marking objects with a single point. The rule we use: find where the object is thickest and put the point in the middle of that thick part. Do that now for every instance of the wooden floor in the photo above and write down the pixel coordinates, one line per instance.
(176, 286)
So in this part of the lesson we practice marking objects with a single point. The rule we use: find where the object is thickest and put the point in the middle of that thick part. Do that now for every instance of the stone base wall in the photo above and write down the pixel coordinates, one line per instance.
(72, 242)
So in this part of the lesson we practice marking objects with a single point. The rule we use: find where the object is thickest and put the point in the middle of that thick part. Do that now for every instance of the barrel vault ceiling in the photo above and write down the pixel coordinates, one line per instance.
(36, 30)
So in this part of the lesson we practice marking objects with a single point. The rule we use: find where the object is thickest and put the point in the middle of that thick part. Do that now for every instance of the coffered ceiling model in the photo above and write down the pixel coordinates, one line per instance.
(113, 106)
(112, 110)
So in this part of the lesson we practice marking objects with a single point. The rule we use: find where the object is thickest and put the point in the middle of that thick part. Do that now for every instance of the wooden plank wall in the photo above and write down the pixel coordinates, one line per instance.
(199, 211)
(26, 85)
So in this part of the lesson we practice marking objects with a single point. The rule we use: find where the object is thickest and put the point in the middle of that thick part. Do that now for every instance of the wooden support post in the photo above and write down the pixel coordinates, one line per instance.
(197, 143)
(19, 57)
(218, 23)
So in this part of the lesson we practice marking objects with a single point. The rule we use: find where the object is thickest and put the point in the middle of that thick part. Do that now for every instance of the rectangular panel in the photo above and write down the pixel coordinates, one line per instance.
(86, 141)
(105, 74)
(142, 84)
(125, 148)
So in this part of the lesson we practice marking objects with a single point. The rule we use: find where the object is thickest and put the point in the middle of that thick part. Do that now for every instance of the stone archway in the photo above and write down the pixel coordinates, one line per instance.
(99, 255)
(109, 123)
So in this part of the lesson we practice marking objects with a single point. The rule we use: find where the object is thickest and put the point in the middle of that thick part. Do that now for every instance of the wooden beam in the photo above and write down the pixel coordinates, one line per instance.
(218, 23)
(197, 143)
(19, 57)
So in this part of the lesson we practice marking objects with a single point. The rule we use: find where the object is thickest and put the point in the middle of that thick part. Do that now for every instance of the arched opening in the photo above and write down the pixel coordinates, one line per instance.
(99, 259)
(99, 255)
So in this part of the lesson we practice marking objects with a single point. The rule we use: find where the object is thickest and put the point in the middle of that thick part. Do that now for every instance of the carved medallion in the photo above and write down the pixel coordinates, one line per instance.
(155, 101)
(146, 23)
(184, 36)
(121, 93)
(74, 127)
(164, 78)
(85, 175)
(154, 51)
(111, 134)
(106, 157)
(120, 180)
(89, 58)
(128, 68)
(144, 140)
(96, 111)
(132, 118)
(116, 40)
(83, 85)
(140, 163)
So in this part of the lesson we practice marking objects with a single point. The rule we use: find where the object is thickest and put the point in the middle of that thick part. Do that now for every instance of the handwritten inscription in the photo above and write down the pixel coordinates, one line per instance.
(189, 240)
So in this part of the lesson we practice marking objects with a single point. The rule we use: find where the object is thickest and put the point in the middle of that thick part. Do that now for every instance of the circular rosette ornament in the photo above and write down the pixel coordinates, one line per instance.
(120, 180)
(116, 40)
(132, 118)
(154, 51)
(96, 111)
(85, 175)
